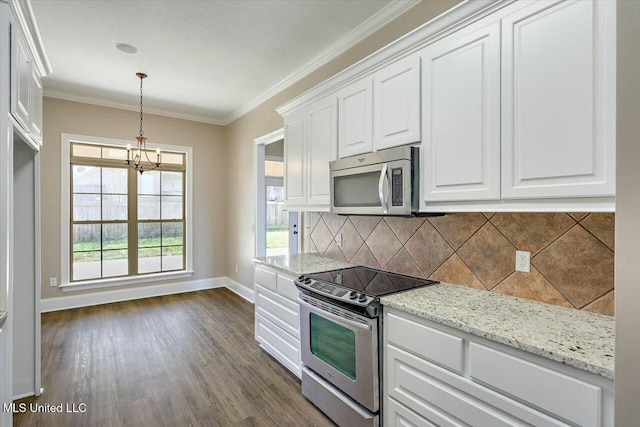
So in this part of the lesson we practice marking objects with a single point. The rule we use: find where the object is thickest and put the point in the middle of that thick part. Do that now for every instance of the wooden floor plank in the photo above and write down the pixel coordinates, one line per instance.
(177, 360)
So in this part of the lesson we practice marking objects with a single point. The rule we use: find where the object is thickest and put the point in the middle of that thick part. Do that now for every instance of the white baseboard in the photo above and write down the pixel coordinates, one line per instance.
(105, 297)
(240, 289)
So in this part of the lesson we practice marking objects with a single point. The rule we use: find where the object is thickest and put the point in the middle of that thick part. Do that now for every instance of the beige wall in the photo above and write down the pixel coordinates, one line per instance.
(627, 412)
(209, 178)
(240, 134)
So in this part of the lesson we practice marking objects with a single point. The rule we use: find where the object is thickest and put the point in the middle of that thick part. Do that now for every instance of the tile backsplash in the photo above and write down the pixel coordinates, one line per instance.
(572, 254)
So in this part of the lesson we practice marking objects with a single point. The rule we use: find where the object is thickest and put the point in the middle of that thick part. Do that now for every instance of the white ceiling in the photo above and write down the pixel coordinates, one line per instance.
(207, 60)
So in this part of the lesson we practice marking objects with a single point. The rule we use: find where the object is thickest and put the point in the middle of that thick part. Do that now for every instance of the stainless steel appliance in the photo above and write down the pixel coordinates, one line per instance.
(341, 336)
(382, 183)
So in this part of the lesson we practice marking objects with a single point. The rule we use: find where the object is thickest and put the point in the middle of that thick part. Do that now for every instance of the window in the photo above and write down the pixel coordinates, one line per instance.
(123, 224)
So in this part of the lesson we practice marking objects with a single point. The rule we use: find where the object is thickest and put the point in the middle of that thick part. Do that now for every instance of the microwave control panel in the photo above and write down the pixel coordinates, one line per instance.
(396, 187)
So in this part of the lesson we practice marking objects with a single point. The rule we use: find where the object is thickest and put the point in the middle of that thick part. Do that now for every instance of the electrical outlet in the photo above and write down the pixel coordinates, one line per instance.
(53, 282)
(237, 268)
(523, 261)
(339, 240)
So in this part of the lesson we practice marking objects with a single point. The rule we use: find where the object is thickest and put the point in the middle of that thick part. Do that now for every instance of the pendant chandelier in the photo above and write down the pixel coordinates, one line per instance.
(135, 157)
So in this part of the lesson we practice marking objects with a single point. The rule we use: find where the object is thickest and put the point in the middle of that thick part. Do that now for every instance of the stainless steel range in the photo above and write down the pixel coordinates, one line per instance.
(341, 336)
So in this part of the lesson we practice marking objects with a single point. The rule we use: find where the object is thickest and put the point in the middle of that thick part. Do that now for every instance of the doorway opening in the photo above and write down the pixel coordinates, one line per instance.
(276, 228)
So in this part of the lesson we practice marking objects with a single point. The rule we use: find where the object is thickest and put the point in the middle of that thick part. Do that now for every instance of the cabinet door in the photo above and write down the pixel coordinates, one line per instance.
(354, 119)
(396, 108)
(294, 152)
(558, 100)
(461, 116)
(36, 104)
(322, 147)
(20, 79)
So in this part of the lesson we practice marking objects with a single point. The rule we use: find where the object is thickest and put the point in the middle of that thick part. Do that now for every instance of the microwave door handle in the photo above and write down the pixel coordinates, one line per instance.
(381, 182)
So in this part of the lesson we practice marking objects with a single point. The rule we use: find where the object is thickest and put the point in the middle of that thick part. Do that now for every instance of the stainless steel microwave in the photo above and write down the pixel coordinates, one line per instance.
(382, 183)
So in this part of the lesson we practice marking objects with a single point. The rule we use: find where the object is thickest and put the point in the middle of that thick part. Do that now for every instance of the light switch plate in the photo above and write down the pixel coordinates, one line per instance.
(53, 282)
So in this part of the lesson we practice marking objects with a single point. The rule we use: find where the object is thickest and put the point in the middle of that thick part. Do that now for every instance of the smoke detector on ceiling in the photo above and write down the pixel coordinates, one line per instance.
(127, 48)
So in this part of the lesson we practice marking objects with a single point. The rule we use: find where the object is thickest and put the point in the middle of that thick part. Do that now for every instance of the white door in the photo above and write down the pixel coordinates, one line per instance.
(355, 114)
(322, 146)
(294, 159)
(558, 100)
(396, 107)
(461, 116)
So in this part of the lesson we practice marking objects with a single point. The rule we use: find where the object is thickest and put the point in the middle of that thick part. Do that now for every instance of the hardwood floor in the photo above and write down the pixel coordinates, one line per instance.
(177, 360)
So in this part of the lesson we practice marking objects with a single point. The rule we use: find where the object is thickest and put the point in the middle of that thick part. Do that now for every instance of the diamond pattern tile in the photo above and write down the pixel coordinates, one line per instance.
(578, 265)
(578, 215)
(603, 305)
(365, 224)
(365, 257)
(601, 225)
(532, 231)
(312, 219)
(477, 250)
(351, 240)
(334, 222)
(456, 272)
(404, 227)
(428, 249)
(383, 243)
(489, 255)
(403, 263)
(456, 228)
(334, 252)
(532, 286)
(321, 236)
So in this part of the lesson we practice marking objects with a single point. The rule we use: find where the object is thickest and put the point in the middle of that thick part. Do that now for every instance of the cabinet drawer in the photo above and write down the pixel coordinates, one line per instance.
(439, 347)
(278, 343)
(287, 288)
(564, 396)
(279, 310)
(432, 392)
(265, 278)
(399, 415)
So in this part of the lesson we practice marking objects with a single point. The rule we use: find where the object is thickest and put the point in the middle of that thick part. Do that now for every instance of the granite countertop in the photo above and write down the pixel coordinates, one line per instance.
(301, 263)
(576, 338)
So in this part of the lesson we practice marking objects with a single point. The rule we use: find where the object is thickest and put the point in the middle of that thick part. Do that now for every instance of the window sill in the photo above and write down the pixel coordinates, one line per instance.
(124, 281)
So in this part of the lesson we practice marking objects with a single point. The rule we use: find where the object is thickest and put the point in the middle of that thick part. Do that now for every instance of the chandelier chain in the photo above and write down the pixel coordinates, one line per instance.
(141, 131)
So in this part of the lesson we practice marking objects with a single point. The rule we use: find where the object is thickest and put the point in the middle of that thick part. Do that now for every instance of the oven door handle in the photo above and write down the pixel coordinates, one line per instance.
(381, 182)
(335, 317)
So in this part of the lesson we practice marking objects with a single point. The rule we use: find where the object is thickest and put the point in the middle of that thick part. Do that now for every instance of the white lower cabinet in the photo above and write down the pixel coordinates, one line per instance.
(277, 317)
(439, 376)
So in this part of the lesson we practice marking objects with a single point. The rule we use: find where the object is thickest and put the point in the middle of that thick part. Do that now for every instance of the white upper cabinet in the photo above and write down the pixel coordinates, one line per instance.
(310, 143)
(460, 154)
(355, 113)
(322, 148)
(20, 80)
(558, 100)
(294, 160)
(26, 87)
(36, 106)
(396, 104)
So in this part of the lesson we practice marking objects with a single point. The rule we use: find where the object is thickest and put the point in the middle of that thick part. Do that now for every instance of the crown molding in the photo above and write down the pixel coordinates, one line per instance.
(359, 33)
(26, 20)
(104, 102)
(463, 14)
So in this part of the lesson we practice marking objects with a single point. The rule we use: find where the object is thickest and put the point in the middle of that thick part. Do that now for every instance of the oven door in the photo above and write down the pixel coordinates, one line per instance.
(341, 347)
(378, 189)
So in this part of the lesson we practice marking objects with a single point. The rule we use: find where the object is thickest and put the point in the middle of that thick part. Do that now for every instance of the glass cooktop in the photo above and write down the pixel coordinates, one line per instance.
(370, 281)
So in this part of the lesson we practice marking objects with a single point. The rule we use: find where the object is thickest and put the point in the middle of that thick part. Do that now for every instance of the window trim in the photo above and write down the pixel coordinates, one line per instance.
(65, 193)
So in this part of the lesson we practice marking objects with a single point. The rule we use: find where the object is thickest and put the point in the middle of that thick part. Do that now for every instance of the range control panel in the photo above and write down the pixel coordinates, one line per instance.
(336, 292)
(396, 187)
